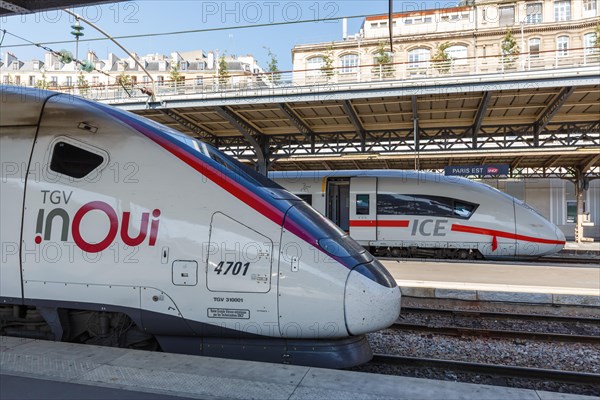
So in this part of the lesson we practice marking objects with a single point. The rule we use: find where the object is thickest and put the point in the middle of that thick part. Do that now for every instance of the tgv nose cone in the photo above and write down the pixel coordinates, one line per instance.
(560, 236)
(368, 305)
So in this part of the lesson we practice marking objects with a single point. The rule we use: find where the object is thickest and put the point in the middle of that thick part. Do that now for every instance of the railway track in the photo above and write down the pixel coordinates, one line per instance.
(541, 261)
(503, 315)
(498, 334)
(489, 369)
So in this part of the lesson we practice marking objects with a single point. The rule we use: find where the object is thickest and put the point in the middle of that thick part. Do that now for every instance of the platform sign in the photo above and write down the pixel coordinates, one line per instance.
(477, 170)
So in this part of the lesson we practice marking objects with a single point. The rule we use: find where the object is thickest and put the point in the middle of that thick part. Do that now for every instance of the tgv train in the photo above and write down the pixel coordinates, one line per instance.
(409, 213)
(120, 231)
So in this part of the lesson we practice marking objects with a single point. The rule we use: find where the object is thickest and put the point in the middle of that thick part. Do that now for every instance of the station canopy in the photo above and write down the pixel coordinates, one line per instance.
(15, 7)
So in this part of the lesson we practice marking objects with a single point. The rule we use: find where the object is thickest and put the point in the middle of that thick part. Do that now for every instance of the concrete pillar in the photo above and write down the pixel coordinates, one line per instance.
(581, 186)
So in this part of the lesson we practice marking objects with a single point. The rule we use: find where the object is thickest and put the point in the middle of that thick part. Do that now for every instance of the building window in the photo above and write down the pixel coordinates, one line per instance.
(562, 10)
(458, 54)
(54, 81)
(589, 6)
(507, 16)
(145, 79)
(160, 79)
(349, 63)
(31, 80)
(95, 80)
(418, 58)
(5, 80)
(562, 46)
(15, 66)
(199, 80)
(362, 204)
(589, 43)
(314, 65)
(534, 47)
(534, 13)
(571, 211)
(408, 21)
(69, 81)
(183, 66)
(17, 80)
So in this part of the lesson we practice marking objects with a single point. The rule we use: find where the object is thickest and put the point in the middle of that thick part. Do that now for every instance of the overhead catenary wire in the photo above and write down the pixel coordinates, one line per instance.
(190, 31)
(57, 53)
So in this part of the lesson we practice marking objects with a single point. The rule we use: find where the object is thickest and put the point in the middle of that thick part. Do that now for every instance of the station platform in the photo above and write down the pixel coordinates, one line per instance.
(591, 249)
(514, 282)
(127, 371)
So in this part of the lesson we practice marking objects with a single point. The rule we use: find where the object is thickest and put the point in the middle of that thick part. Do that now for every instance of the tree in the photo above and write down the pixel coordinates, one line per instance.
(272, 67)
(42, 83)
(597, 38)
(441, 59)
(124, 80)
(384, 61)
(175, 75)
(223, 70)
(82, 84)
(327, 67)
(510, 50)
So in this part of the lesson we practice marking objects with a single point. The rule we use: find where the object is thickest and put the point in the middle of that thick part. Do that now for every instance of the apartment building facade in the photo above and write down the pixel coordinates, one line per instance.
(191, 68)
(468, 38)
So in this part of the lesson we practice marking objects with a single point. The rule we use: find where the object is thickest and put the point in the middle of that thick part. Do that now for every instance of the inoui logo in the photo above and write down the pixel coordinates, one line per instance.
(44, 225)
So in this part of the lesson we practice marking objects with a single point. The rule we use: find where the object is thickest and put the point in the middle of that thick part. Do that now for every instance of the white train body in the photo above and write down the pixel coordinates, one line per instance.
(106, 212)
(420, 213)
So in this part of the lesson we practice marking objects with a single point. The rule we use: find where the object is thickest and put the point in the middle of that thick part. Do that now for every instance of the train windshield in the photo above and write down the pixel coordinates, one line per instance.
(224, 160)
(329, 236)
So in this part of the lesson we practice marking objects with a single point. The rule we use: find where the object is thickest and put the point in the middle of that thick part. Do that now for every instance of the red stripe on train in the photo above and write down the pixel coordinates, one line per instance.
(507, 235)
(375, 223)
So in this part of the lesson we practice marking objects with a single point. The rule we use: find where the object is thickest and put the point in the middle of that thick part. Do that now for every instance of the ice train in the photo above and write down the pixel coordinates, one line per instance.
(120, 231)
(409, 213)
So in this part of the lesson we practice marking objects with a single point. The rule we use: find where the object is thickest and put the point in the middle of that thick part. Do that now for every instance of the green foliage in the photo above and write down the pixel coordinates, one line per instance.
(382, 57)
(327, 67)
(175, 75)
(42, 83)
(441, 59)
(272, 67)
(223, 70)
(510, 49)
(124, 80)
(597, 38)
(82, 84)
(384, 61)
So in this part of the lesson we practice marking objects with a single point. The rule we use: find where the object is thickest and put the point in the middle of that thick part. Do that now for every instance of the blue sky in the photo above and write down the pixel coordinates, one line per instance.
(151, 16)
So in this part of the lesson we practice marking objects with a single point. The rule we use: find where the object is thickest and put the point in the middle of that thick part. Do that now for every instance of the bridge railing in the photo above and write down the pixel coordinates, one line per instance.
(320, 79)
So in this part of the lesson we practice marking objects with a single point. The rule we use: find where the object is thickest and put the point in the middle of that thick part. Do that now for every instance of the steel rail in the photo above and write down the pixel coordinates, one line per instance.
(491, 369)
(503, 315)
(498, 334)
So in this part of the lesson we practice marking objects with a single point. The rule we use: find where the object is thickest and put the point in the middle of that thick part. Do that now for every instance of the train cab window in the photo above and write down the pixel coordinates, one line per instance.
(463, 210)
(362, 204)
(74, 161)
(306, 197)
(416, 204)
(435, 206)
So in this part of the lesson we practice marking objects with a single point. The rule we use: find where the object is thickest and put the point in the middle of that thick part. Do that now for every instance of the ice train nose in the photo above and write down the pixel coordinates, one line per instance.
(372, 299)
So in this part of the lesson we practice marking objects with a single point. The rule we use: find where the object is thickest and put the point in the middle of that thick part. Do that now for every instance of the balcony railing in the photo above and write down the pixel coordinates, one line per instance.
(489, 68)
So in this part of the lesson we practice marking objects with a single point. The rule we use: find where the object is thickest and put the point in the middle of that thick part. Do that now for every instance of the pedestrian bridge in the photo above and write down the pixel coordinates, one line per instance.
(538, 114)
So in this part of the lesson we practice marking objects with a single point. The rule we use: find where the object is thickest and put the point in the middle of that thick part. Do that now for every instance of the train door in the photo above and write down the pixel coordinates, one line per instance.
(338, 202)
(15, 149)
(363, 208)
